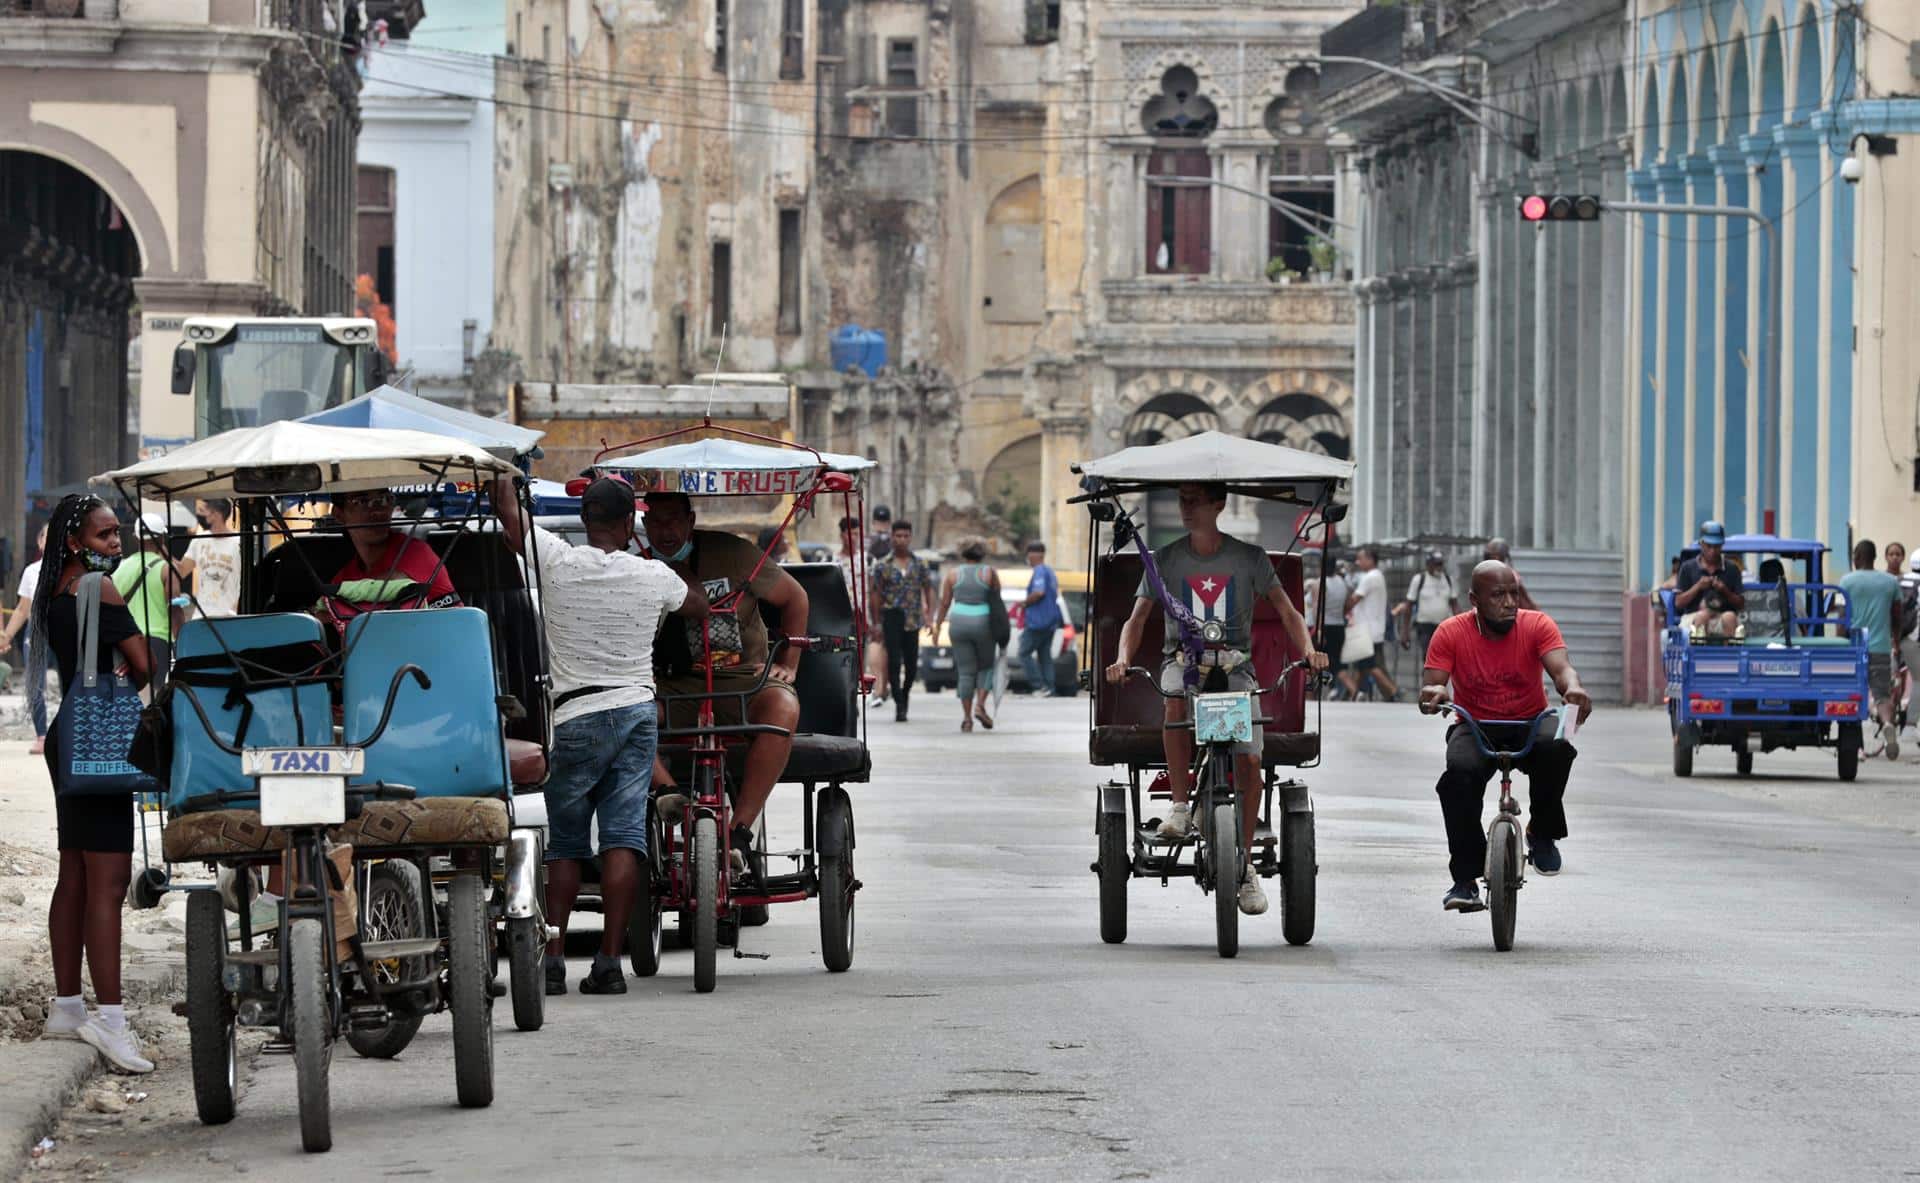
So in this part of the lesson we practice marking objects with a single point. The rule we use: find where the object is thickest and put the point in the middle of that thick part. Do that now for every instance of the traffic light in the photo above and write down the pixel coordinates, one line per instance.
(1559, 207)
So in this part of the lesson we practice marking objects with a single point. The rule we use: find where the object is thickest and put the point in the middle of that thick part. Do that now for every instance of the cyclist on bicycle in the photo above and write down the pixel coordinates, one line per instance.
(1219, 577)
(1493, 656)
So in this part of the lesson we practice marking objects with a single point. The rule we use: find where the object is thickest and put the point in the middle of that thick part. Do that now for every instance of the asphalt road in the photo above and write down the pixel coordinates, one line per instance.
(1723, 984)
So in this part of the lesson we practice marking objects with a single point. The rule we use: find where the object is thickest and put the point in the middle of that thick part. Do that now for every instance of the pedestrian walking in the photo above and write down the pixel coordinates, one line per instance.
(213, 560)
(1040, 620)
(603, 606)
(1897, 559)
(95, 832)
(21, 618)
(1430, 601)
(882, 541)
(853, 563)
(147, 582)
(1871, 599)
(1330, 611)
(902, 605)
(966, 605)
(1367, 614)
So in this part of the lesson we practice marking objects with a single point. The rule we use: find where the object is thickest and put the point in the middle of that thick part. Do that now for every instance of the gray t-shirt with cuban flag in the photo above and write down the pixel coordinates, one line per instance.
(1223, 586)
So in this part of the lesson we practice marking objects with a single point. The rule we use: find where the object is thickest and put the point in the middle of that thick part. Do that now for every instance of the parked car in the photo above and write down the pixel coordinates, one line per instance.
(938, 671)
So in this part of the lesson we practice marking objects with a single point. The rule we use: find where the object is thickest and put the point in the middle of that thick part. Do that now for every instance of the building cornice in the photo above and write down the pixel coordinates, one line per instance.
(116, 45)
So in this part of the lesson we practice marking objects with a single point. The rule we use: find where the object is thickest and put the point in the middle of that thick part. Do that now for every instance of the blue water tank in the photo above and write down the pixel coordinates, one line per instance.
(852, 345)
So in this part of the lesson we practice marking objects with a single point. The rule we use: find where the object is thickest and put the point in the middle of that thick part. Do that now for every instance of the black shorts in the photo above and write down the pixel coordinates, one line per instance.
(102, 824)
(1333, 638)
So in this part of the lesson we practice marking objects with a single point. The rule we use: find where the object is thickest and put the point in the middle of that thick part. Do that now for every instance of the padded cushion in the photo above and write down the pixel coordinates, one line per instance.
(282, 716)
(426, 821)
(446, 740)
(218, 834)
(1140, 747)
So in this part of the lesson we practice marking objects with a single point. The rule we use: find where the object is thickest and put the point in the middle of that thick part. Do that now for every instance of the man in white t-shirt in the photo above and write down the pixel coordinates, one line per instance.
(1430, 602)
(22, 617)
(213, 559)
(602, 606)
(1367, 609)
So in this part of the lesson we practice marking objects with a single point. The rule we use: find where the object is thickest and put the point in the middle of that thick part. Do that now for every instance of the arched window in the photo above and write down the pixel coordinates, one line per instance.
(1016, 278)
(1179, 217)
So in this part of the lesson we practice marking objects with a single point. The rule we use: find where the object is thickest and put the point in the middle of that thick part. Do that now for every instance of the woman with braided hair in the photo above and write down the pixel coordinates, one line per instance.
(95, 832)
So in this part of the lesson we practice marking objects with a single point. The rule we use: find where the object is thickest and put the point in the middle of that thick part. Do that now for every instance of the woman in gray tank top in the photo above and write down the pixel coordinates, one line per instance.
(966, 596)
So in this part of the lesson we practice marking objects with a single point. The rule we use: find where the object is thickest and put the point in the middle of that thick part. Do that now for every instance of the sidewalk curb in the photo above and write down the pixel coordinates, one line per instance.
(36, 1081)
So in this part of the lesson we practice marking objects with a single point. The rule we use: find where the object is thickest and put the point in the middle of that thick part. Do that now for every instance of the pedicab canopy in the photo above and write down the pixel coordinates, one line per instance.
(387, 407)
(723, 467)
(291, 457)
(1249, 466)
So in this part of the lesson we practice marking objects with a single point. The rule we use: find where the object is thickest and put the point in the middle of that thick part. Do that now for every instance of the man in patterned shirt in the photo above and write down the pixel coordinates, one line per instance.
(901, 590)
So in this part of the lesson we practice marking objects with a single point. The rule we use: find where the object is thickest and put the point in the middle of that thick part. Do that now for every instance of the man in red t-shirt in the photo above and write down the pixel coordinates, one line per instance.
(388, 569)
(1493, 656)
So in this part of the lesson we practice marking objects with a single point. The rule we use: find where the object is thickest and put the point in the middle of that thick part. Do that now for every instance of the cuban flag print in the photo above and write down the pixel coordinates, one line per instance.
(1210, 597)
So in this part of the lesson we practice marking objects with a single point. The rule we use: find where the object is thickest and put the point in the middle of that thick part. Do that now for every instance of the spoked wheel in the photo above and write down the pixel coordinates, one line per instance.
(210, 1009)
(645, 924)
(527, 971)
(469, 971)
(1503, 880)
(837, 885)
(395, 912)
(1116, 872)
(1686, 738)
(1850, 740)
(706, 855)
(1223, 850)
(1298, 874)
(312, 1033)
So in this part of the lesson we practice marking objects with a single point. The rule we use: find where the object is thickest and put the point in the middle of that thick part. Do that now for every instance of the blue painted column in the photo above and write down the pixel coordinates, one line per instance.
(1647, 444)
(1674, 230)
(1799, 150)
(1705, 293)
(1843, 435)
(1766, 190)
(1739, 358)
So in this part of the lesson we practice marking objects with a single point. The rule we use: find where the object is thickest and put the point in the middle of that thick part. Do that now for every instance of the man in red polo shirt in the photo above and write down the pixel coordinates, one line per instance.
(388, 569)
(1493, 656)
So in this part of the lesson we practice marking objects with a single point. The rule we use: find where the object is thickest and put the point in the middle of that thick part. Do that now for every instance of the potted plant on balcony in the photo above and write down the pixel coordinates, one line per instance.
(1324, 255)
(1278, 271)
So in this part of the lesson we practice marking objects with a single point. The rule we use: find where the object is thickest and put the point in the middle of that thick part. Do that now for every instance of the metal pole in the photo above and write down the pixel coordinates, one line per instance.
(1542, 462)
(1770, 360)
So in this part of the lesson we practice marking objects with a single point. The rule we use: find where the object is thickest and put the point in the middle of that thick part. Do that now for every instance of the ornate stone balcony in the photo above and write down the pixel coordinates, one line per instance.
(1216, 302)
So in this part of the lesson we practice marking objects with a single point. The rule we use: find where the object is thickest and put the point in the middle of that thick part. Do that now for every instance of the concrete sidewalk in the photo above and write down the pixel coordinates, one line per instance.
(38, 1076)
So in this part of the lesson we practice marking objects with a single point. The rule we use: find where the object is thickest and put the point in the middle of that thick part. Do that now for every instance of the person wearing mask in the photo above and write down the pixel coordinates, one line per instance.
(880, 543)
(901, 606)
(966, 605)
(1329, 609)
(213, 560)
(1367, 609)
(1871, 598)
(1897, 559)
(1430, 601)
(1040, 620)
(95, 832)
(1498, 551)
(147, 583)
(602, 606)
(17, 623)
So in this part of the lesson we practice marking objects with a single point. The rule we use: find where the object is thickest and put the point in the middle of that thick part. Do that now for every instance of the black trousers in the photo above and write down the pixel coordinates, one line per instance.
(903, 655)
(1463, 786)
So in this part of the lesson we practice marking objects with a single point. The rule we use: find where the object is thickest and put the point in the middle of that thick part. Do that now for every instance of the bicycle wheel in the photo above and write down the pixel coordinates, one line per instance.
(527, 972)
(394, 913)
(1116, 872)
(1298, 873)
(837, 884)
(469, 973)
(706, 855)
(644, 926)
(1503, 879)
(1223, 850)
(209, 1010)
(312, 1033)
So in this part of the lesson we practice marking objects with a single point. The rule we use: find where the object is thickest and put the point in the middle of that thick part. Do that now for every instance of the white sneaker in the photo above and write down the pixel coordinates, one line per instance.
(65, 1025)
(121, 1048)
(1179, 821)
(1253, 900)
(1892, 735)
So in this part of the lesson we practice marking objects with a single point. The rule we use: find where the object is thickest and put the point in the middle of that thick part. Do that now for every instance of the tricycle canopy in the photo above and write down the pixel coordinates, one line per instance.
(721, 467)
(1248, 467)
(289, 458)
(386, 407)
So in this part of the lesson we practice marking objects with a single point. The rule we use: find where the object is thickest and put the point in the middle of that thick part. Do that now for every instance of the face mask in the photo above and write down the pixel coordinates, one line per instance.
(678, 556)
(93, 560)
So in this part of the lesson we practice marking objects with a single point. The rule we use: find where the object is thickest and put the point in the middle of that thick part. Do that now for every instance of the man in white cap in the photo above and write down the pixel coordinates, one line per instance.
(148, 582)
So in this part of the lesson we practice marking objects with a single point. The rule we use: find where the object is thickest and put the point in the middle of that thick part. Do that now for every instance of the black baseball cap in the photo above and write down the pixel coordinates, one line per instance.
(882, 514)
(606, 499)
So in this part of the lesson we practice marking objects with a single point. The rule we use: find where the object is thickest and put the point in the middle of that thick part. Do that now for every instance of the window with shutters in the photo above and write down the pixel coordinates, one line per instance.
(903, 73)
(1043, 22)
(793, 39)
(1179, 217)
(374, 239)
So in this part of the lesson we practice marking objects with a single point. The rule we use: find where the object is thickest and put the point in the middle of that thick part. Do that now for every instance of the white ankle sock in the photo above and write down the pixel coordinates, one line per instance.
(73, 1006)
(113, 1016)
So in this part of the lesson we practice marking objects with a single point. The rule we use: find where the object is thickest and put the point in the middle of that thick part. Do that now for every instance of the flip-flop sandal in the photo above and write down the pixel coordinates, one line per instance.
(966, 724)
(984, 721)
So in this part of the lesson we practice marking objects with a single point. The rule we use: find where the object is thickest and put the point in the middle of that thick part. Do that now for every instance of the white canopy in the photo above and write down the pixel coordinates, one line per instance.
(1215, 456)
(725, 466)
(349, 458)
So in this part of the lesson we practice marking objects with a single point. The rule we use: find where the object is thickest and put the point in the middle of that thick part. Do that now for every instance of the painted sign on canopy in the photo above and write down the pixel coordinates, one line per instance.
(724, 482)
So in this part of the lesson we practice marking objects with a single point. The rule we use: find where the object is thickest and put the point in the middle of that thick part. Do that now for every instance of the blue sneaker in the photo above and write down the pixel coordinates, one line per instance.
(1544, 855)
(1463, 897)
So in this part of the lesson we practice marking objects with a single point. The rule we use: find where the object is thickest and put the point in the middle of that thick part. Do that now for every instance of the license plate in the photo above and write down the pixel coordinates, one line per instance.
(303, 761)
(1223, 718)
(1776, 669)
(941, 663)
(303, 800)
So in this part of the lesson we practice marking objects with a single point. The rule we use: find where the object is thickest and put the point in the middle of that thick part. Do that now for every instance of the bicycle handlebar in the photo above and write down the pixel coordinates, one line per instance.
(1480, 736)
(1139, 671)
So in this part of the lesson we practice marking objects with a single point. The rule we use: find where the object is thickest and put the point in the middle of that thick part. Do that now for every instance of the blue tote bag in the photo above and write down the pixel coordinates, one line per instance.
(98, 716)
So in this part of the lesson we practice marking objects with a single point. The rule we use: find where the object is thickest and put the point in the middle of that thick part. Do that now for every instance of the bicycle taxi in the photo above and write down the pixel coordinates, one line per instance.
(690, 867)
(1127, 718)
(371, 765)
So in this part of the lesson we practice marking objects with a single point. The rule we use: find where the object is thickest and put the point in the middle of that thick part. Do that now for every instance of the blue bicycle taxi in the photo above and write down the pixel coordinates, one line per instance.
(367, 761)
(1795, 676)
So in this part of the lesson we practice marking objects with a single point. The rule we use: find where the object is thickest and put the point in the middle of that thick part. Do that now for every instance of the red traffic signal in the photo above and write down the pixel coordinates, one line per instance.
(1559, 207)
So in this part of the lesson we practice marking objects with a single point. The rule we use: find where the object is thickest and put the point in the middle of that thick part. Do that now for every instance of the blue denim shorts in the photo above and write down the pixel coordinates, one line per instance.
(601, 767)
